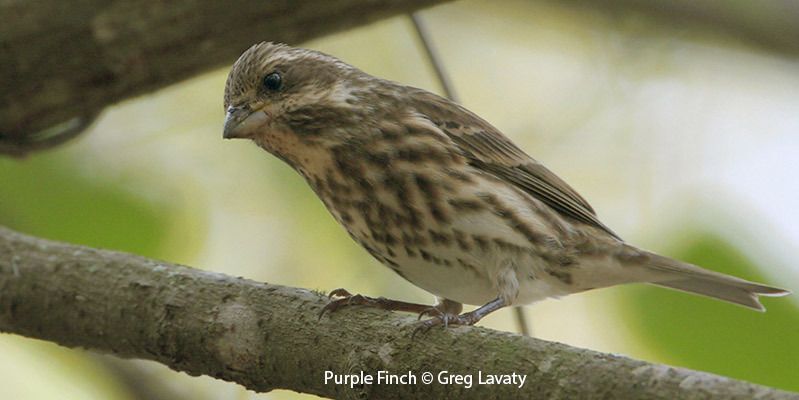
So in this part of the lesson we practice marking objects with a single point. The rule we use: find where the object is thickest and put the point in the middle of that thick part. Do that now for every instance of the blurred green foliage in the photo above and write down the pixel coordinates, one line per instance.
(713, 336)
(48, 196)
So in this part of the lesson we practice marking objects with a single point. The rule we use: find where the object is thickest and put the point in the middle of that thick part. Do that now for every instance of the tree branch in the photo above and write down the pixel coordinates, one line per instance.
(64, 61)
(266, 337)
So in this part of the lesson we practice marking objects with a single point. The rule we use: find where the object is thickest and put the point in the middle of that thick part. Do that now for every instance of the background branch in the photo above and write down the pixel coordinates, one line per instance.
(63, 62)
(768, 24)
(266, 336)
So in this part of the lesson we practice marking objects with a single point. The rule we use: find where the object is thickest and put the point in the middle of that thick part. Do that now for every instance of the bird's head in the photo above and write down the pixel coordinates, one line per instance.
(274, 90)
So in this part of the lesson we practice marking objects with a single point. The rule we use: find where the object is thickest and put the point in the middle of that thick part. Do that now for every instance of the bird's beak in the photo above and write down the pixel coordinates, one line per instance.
(241, 122)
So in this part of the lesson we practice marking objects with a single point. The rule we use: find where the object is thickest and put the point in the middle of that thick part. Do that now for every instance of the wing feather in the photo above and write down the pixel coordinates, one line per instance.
(489, 150)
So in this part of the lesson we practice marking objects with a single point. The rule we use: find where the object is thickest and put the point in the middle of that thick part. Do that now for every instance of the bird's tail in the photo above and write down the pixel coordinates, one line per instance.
(687, 277)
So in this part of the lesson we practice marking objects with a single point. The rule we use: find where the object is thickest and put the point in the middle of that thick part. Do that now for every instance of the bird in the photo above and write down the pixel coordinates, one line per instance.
(439, 195)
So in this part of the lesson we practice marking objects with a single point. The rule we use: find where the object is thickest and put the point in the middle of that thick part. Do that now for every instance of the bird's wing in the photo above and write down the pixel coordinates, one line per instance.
(489, 150)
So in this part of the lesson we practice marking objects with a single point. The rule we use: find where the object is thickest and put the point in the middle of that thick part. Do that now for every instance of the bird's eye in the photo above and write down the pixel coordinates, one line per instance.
(273, 81)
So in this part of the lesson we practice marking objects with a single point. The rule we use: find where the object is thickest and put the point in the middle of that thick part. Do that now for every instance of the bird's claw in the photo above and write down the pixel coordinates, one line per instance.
(340, 292)
(443, 319)
(349, 299)
(430, 311)
(445, 313)
(346, 299)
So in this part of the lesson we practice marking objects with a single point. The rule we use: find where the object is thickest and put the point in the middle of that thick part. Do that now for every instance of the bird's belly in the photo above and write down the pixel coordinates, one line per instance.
(476, 282)
(468, 243)
(474, 259)
(448, 276)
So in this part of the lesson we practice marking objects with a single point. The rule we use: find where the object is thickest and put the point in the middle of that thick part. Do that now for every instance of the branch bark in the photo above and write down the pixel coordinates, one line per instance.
(266, 337)
(64, 61)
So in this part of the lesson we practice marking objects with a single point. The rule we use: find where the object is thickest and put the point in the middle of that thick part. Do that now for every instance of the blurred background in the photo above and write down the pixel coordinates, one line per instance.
(685, 140)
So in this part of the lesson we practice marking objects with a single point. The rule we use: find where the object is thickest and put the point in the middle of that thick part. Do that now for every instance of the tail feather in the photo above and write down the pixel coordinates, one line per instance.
(690, 278)
(718, 290)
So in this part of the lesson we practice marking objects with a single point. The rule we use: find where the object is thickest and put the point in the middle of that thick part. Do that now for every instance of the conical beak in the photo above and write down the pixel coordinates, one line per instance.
(242, 123)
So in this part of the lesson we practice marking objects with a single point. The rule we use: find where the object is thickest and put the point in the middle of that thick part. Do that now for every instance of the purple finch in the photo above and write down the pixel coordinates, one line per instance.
(437, 194)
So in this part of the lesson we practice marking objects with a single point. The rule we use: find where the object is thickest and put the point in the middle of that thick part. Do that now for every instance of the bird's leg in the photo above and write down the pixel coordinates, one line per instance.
(348, 299)
(469, 318)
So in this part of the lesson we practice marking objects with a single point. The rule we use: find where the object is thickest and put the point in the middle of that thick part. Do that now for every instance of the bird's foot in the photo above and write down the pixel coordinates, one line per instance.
(442, 316)
(348, 299)
(446, 310)
(445, 319)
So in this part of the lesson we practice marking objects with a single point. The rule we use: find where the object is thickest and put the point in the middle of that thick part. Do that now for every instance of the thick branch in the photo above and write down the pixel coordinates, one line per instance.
(63, 61)
(267, 336)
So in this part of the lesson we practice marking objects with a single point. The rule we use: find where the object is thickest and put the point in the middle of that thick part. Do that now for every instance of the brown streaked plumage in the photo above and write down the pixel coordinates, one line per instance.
(437, 194)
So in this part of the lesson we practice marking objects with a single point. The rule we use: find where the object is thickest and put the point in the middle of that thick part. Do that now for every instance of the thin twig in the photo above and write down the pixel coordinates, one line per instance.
(521, 321)
(433, 59)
